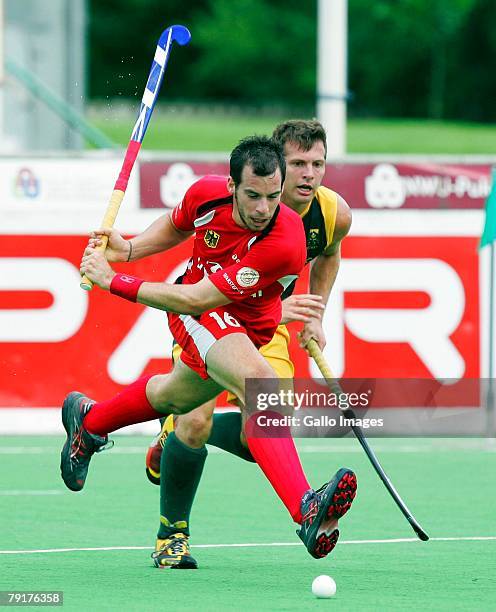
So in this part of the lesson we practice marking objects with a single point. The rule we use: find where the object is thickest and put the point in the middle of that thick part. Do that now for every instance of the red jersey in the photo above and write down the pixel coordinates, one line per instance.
(250, 268)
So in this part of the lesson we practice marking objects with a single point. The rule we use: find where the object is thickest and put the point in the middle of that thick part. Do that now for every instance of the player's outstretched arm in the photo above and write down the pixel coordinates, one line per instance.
(324, 271)
(160, 236)
(182, 299)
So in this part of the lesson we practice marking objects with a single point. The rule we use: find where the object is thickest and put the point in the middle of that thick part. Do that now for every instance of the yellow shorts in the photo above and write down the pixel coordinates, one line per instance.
(276, 352)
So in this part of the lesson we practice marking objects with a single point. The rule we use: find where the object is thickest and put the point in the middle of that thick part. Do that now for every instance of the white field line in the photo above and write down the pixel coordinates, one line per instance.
(249, 545)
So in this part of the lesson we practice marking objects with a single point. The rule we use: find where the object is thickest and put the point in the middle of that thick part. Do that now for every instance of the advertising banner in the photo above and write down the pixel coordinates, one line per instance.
(409, 302)
(35, 184)
(402, 307)
(384, 185)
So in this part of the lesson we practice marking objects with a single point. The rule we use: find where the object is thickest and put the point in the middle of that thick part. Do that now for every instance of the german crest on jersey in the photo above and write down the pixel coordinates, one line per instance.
(211, 238)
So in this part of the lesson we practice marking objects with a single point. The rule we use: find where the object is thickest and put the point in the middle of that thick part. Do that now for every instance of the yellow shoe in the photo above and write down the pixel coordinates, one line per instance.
(174, 552)
(154, 453)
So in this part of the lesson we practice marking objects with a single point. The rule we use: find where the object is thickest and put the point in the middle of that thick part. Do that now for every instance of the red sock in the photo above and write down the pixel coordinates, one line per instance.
(127, 408)
(279, 461)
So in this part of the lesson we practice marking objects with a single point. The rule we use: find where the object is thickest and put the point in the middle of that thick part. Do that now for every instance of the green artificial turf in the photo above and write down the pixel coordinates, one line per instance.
(450, 485)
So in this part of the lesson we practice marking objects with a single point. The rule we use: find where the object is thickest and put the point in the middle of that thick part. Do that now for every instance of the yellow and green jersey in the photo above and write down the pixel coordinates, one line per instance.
(319, 221)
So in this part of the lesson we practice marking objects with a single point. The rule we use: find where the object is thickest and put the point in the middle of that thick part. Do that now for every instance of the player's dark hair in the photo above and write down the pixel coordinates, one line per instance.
(303, 133)
(262, 153)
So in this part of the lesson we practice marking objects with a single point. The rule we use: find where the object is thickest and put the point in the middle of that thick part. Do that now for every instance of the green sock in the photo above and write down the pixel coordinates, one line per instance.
(226, 429)
(181, 468)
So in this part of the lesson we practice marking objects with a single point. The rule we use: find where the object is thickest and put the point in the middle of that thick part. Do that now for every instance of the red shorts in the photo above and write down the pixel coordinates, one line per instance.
(196, 335)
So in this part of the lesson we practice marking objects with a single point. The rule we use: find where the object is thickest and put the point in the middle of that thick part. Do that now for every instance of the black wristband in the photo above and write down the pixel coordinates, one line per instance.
(130, 250)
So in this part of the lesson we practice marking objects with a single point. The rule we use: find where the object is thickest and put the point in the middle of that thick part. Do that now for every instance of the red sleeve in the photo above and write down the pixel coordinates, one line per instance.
(260, 268)
(184, 214)
(206, 189)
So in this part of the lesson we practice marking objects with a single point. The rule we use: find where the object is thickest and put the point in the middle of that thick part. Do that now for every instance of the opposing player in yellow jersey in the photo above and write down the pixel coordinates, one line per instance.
(178, 455)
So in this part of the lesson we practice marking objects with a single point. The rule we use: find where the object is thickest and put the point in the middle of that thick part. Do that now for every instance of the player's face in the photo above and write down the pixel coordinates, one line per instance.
(255, 198)
(304, 173)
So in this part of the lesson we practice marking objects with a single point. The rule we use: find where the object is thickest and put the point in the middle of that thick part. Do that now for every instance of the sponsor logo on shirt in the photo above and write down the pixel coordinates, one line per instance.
(211, 239)
(231, 284)
(247, 277)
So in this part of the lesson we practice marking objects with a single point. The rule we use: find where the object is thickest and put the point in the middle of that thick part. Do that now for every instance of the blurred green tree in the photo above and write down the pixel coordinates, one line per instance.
(472, 86)
(257, 50)
(122, 35)
(443, 19)
(407, 58)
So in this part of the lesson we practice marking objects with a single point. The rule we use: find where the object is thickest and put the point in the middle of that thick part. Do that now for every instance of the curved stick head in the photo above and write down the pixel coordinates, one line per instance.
(418, 529)
(180, 34)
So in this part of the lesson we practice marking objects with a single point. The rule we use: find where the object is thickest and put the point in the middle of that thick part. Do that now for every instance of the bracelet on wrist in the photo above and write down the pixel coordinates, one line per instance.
(130, 251)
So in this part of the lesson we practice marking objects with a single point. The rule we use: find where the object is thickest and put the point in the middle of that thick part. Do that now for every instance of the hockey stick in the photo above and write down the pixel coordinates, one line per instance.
(176, 33)
(320, 360)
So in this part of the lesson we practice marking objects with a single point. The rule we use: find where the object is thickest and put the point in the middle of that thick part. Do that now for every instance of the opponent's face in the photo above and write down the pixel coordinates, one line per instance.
(304, 173)
(255, 198)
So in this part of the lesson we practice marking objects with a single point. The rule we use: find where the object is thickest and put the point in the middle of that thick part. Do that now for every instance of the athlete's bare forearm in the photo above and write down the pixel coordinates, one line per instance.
(182, 299)
(323, 274)
(160, 236)
(326, 266)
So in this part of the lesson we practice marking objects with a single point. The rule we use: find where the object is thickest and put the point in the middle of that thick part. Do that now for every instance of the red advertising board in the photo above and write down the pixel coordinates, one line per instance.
(383, 185)
(410, 307)
(402, 307)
